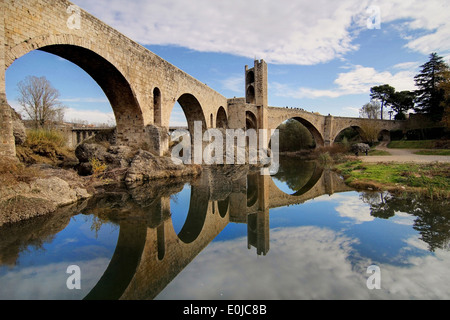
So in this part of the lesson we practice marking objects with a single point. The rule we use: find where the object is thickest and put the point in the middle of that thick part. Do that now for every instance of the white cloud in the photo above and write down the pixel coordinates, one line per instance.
(358, 80)
(48, 282)
(234, 83)
(324, 266)
(290, 32)
(91, 116)
(428, 17)
(85, 100)
(285, 31)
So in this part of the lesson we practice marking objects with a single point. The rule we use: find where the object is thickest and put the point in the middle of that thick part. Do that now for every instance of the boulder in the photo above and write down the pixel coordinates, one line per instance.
(145, 166)
(87, 151)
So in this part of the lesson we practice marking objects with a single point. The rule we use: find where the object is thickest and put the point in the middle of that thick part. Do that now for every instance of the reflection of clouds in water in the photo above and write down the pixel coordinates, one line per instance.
(423, 279)
(304, 263)
(348, 205)
(403, 218)
(48, 282)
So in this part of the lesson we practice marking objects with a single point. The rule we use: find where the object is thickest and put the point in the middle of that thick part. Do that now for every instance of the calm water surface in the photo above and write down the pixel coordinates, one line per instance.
(231, 234)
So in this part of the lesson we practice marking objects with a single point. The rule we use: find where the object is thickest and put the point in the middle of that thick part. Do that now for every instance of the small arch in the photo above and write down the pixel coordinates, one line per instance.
(252, 190)
(223, 207)
(384, 135)
(157, 107)
(250, 95)
(250, 121)
(250, 77)
(161, 242)
(211, 122)
(221, 119)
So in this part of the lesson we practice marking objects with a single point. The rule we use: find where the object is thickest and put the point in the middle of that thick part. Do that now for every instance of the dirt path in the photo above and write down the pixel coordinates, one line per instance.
(402, 155)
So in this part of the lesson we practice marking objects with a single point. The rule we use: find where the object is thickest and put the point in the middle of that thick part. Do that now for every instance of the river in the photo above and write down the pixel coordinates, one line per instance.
(233, 234)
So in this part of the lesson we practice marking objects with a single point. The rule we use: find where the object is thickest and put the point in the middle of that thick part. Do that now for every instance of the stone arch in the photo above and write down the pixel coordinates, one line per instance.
(193, 111)
(221, 119)
(317, 136)
(157, 115)
(81, 52)
(357, 130)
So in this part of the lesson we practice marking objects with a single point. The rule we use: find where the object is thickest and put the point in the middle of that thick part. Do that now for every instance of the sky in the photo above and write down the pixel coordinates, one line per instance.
(323, 56)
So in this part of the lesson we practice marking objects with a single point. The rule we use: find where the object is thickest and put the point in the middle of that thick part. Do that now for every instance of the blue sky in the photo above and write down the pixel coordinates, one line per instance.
(321, 54)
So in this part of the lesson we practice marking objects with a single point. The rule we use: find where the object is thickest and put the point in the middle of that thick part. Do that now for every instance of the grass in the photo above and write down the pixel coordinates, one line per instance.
(41, 136)
(444, 152)
(431, 180)
(413, 144)
(43, 146)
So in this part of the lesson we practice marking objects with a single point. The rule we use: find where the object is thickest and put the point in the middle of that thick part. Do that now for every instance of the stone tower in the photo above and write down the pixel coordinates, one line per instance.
(256, 84)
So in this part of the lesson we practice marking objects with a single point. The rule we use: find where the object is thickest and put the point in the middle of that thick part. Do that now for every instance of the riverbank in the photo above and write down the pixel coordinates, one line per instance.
(428, 179)
(32, 190)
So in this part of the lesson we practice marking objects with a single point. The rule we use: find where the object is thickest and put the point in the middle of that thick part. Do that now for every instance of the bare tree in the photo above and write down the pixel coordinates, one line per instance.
(371, 110)
(40, 101)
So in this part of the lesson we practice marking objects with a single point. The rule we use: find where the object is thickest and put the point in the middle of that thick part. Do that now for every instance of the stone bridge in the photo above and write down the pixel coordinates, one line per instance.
(141, 87)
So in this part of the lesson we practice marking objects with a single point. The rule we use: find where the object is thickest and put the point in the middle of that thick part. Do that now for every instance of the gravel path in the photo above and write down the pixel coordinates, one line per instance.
(403, 155)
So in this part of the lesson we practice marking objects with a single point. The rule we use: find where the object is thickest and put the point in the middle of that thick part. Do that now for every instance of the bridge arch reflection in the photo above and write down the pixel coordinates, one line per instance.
(150, 255)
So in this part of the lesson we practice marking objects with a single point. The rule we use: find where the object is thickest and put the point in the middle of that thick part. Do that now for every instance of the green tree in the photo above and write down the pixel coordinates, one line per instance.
(382, 93)
(294, 136)
(401, 102)
(445, 85)
(429, 95)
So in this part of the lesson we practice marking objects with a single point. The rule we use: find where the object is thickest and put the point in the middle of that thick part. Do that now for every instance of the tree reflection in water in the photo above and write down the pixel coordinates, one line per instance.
(432, 217)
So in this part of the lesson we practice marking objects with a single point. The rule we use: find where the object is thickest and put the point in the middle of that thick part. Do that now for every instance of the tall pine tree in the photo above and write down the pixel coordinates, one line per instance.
(429, 95)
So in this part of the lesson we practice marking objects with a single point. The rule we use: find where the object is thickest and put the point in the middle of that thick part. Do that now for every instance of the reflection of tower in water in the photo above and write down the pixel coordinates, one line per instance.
(258, 226)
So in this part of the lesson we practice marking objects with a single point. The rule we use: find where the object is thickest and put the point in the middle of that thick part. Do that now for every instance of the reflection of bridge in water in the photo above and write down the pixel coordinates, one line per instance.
(150, 255)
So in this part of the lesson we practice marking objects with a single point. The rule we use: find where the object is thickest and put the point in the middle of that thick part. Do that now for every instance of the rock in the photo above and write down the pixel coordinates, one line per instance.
(87, 151)
(119, 156)
(54, 189)
(19, 131)
(85, 169)
(145, 166)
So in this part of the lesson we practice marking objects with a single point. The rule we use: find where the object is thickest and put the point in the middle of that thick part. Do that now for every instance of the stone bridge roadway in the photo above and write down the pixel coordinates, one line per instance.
(141, 87)
(149, 254)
